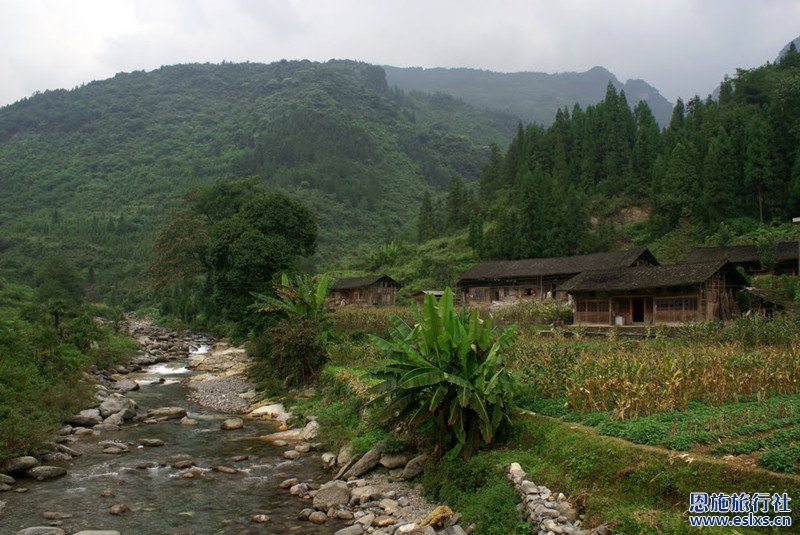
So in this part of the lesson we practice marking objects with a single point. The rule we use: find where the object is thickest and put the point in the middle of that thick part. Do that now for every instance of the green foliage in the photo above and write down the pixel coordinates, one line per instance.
(447, 374)
(300, 297)
(93, 172)
(290, 353)
(212, 259)
(40, 366)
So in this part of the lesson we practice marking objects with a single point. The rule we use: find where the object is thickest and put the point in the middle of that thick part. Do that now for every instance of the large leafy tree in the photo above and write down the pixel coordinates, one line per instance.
(212, 256)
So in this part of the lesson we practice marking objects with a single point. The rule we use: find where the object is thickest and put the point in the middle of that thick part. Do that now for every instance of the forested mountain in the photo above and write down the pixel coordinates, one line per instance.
(94, 171)
(720, 169)
(533, 96)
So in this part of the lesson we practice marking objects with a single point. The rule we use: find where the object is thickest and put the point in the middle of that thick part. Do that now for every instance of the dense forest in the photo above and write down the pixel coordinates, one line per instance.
(92, 173)
(606, 175)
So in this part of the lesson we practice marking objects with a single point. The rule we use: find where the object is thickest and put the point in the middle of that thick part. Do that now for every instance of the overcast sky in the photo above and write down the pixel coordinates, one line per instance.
(682, 47)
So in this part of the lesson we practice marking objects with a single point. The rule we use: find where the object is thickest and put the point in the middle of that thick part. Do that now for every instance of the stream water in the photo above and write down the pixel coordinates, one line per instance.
(160, 501)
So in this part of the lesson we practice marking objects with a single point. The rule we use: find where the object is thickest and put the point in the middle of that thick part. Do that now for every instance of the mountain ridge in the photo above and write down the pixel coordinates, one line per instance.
(533, 96)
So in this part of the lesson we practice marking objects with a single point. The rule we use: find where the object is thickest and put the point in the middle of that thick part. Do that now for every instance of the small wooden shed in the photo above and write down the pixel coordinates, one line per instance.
(372, 290)
(539, 278)
(655, 295)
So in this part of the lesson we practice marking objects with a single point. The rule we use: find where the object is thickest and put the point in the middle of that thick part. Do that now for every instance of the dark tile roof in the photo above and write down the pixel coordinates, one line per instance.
(495, 270)
(647, 277)
(741, 254)
(361, 282)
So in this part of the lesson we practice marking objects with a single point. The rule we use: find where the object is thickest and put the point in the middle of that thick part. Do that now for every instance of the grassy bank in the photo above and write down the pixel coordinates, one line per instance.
(40, 366)
(633, 488)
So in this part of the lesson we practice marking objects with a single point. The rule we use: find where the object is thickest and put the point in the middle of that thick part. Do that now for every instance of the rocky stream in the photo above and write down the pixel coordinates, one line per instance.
(175, 444)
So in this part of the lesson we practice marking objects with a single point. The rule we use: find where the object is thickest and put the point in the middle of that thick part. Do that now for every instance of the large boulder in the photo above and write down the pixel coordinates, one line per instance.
(366, 463)
(18, 465)
(274, 411)
(332, 494)
(87, 418)
(231, 424)
(46, 472)
(125, 385)
(415, 466)
(116, 403)
(168, 413)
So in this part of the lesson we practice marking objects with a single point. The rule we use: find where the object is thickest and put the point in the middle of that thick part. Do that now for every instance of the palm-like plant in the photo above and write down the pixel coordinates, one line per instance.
(447, 373)
(303, 296)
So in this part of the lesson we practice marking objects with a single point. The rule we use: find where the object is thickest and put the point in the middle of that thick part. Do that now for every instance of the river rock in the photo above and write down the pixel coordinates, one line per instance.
(355, 529)
(415, 466)
(126, 385)
(116, 403)
(83, 431)
(41, 530)
(397, 460)
(304, 514)
(183, 464)
(7, 480)
(364, 494)
(46, 472)
(168, 413)
(188, 421)
(275, 411)
(318, 517)
(118, 509)
(260, 519)
(299, 489)
(345, 454)
(87, 418)
(366, 520)
(291, 454)
(384, 520)
(454, 530)
(366, 463)
(56, 457)
(69, 451)
(438, 517)
(97, 532)
(331, 494)
(104, 427)
(224, 469)
(5, 487)
(303, 447)
(116, 419)
(310, 431)
(286, 483)
(388, 505)
(151, 442)
(328, 460)
(231, 424)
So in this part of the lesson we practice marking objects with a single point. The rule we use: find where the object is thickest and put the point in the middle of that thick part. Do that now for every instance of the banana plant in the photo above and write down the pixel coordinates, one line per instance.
(446, 373)
(304, 296)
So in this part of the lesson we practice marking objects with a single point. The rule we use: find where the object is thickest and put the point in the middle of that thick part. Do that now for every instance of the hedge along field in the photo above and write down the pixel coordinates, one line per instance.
(732, 390)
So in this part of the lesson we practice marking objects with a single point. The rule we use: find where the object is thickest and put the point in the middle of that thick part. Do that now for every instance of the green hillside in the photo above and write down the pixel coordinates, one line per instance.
(93, 172)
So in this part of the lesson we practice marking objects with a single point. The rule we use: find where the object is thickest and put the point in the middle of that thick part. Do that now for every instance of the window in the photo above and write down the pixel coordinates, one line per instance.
(592, 306)
(677, 304)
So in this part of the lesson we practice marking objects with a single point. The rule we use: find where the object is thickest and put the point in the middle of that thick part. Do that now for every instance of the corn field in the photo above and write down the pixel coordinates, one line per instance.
(637, 378)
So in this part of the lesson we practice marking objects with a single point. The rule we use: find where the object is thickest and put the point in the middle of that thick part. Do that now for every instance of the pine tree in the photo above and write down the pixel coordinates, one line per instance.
(426, 221)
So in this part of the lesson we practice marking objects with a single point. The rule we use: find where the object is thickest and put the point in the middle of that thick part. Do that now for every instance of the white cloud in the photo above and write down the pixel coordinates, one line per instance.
(680, 46)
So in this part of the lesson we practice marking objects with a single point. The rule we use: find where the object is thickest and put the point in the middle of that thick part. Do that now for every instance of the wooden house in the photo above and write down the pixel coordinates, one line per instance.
(538, 278)
(747, 257)
(419, 296)
(655, 295)
(372, 290)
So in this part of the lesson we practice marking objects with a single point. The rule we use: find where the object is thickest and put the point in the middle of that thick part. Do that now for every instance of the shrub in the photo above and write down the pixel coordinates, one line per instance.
(447, 374)
(290, 354)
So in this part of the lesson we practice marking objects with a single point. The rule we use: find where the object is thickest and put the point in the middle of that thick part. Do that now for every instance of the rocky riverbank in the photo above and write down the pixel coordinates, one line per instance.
(129, 462)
